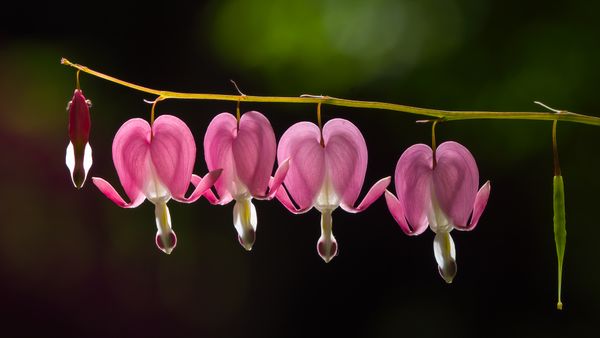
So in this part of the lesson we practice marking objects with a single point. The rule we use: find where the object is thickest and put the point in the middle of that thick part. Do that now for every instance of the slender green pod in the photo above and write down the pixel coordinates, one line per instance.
(560, 230)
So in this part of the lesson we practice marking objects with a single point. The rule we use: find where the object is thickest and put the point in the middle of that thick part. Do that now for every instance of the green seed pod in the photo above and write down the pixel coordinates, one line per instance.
(560, 230)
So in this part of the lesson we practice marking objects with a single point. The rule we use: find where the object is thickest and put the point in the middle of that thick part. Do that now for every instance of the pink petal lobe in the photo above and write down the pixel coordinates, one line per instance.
(131, 156)
(201, 186)
(413, 181)
(374, 193)
(283, 197)
(480, 202)
(346, 159)
(218, 152)
(173, 151)
(110, 192)
(397, 211)
(455, 181)
(301, 145)
(208, 194)
(254, 152)
(276, 181)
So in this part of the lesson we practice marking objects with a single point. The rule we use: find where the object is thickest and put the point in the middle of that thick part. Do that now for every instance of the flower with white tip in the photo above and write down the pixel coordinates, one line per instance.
(155, 163)
(441, 193)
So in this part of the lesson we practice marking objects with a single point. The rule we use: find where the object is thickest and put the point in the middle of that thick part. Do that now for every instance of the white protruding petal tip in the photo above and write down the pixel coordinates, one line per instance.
(327, 248)
(166, 243)
(445, 255)
(245, 221)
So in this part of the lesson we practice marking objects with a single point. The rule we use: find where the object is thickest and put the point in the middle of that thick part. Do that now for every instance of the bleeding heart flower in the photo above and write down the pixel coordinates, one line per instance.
(79, 152)
(442, 193)
(327, 170)
(156, 163)
(246, 152)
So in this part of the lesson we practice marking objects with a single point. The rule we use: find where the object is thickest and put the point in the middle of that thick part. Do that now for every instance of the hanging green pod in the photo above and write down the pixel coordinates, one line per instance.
(560, 230)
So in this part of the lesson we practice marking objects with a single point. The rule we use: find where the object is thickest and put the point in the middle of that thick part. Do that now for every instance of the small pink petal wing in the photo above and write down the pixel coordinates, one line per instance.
(283, 197)
(254, 152)
(455, 180)
(346, 159)
(397, 210)
(413, 181)
(372, 195)
(210, 195)
(480, 202)
(301, 145)
(276, 181)
(173, 151)
(109, 191)
(131, 156)
(218, 153)
(202, 185)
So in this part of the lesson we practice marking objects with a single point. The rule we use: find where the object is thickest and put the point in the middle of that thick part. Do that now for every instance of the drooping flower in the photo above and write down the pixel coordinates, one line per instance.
(79, 152)
(156, 162)
(246, 152)
(327, 170)
(441, 193)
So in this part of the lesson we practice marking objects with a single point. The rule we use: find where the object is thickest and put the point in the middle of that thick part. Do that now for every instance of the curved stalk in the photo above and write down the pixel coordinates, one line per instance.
(443, 115)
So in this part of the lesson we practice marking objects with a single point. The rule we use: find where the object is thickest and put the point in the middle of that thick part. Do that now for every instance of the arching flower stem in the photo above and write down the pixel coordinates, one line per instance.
(445, 115)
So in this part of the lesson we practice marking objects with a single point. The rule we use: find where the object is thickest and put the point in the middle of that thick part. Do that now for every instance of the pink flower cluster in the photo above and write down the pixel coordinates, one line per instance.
(321, 168)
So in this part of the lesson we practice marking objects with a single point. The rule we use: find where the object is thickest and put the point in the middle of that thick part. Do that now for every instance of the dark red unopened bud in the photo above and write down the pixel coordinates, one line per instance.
(79, 152)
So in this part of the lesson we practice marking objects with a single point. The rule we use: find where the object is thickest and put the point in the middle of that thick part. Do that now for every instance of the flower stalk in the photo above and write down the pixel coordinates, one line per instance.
(444, 115)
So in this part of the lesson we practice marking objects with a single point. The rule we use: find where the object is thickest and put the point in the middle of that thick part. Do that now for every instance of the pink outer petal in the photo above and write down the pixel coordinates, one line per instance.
(254, 152)
(397, 211)
(131, 156)
(218, 153)
(480, 202)
(213, 199)
(455, 181)
(173, 154)
(346, 159)
(284, 198)
(301, 145)
(413, 181)
(276, 181)
(202, 185)
(374, 193)
(114, 196)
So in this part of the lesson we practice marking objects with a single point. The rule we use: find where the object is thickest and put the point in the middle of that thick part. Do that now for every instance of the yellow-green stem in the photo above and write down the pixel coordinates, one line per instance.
(555, 150)
(77, 81)
(320, 124)
(433, 142)
(445, 115)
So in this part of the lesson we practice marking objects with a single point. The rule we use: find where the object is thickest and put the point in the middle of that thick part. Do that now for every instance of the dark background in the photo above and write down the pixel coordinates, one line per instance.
(72, 264)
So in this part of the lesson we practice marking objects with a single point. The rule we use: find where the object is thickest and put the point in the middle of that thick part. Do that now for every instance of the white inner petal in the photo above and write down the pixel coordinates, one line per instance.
(245, 221)
(70, 158)
(87, 159)
(327, 244)
(163, 224)
(327, 198)
(445, 255)
(237, 189)
(438, 221)
(163, 218)
(155, 191)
